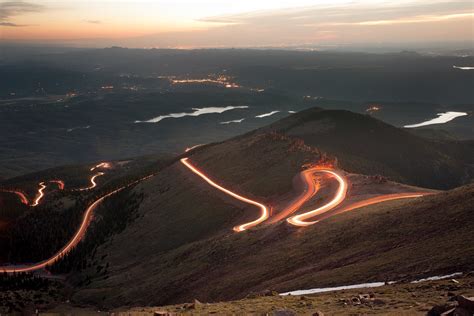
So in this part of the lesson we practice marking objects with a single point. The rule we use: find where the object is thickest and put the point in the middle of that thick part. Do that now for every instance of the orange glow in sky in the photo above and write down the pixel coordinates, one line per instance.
(215, 23)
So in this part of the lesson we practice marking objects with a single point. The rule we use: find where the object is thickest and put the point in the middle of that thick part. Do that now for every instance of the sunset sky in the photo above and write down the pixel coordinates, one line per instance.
(242, 23)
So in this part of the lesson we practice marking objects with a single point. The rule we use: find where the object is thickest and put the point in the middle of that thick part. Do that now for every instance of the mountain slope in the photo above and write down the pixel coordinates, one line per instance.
(366, 145)
(181, 246)
(174, 241)
(389, 242)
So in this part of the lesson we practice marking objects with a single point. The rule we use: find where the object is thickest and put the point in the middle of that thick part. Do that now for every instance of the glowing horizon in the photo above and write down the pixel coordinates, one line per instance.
(214, 23)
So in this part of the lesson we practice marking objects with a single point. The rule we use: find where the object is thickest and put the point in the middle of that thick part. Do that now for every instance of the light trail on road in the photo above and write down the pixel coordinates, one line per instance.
(78, 236)
(60, 183)
(20, 195)
(42, 186)
(73, 242)
(40, 194)
(300, 220)
(264, 209)
(104, 165)
(311, 189)
(193, 147)
(381, 199)
(93, 183)
(80, 233)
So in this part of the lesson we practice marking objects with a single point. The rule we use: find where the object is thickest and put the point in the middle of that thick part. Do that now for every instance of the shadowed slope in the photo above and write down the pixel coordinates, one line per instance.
(366, 145)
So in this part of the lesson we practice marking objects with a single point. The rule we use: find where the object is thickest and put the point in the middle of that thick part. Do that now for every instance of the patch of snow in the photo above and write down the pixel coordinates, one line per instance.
(291, 112)
(267, 114)
(196, 112)
(365, 285)
(438, 277)
(441, 119)
(79, 127)
(337, 288)
(233, 121)
(464, 67)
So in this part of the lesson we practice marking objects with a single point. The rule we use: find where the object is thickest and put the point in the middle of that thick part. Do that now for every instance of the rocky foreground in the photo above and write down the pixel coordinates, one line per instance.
(454, 296)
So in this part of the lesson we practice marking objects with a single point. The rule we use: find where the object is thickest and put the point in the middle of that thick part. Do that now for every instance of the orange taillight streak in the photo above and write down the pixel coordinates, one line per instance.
(20, 194)
(40, 194)
(264, 209)
(93, 183)
(310, 191)
(381, 199)
(300, 220)
(60, 183)
(78, 236)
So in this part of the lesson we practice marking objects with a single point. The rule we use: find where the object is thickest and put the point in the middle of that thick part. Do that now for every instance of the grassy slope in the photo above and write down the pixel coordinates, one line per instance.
(262, 165)
(378, 243)
(175, 211)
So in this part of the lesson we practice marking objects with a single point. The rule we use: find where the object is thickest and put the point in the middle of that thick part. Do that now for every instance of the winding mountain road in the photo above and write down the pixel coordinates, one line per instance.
(93, 183)
(78, 236)
(311, 189)
(307, 176)
(42, 186)
(60, 183)
(86, 219)
(264, 210)
(381, 199)
(40, 194)
(301, 219)
(21, 195)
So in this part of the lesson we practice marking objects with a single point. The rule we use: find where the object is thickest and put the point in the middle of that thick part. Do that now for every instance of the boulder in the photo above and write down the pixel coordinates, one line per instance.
(458, 311)
(448, 312)
(365, 298)
(439, 310)
(193, 305)
(466, 302)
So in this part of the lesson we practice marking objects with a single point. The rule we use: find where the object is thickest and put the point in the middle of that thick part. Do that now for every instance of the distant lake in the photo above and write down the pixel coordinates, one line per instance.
(196, 112)
(441, 119)
(464, 67)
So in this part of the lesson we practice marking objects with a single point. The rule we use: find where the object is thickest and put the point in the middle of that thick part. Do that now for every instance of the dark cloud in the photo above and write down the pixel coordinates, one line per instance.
(93, 21)
(11, 24)
(11, 9)
(347, 13)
